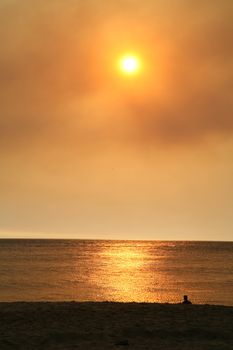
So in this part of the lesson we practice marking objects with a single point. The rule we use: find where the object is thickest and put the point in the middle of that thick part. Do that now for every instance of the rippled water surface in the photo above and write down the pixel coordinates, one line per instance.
(116, 270)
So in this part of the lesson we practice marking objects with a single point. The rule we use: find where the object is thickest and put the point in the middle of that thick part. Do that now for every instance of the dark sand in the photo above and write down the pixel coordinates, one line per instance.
(115, 326)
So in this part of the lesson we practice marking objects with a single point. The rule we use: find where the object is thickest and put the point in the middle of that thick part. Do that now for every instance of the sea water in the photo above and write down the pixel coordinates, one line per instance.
(128, 271)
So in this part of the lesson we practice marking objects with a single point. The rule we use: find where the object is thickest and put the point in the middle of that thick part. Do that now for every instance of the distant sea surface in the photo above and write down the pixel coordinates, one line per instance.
(139, 271)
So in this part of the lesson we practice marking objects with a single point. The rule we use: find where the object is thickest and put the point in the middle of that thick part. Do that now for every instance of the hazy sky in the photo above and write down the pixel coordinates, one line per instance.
(88, 152)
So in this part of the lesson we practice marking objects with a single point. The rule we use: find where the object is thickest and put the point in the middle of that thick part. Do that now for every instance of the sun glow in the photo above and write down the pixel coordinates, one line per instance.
(129, 64)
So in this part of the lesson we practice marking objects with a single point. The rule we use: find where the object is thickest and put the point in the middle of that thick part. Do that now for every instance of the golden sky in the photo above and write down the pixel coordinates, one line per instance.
(87, 151)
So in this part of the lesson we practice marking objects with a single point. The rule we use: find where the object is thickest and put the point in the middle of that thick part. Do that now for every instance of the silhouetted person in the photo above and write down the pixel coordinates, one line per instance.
(186, 301)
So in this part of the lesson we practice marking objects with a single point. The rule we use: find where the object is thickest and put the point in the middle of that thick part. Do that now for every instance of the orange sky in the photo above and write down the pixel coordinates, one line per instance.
(88, 152)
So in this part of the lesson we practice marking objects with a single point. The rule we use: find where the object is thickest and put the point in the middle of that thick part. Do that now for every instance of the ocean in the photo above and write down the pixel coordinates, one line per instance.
(124, 271)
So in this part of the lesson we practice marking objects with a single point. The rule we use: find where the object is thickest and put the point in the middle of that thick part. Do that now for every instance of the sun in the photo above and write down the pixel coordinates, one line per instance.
(129, 64)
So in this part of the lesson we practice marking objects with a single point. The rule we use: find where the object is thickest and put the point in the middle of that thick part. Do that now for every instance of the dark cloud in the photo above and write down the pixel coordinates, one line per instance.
(199, 87)
(189, 121)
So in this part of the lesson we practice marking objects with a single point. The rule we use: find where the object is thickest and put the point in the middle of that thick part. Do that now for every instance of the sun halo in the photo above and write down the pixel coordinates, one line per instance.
(129, 64)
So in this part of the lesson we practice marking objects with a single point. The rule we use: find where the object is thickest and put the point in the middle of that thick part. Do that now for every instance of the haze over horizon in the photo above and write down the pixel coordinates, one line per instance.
(87, 151)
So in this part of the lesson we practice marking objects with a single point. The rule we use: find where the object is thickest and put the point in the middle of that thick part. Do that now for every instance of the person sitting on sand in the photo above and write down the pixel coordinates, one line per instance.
(186, 301)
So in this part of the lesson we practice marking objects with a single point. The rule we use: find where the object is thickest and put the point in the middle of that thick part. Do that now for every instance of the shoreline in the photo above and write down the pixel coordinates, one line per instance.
(110, 302)
(113, 325)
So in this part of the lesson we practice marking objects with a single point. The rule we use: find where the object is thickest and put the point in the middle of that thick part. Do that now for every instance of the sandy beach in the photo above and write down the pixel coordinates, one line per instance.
(74, 325)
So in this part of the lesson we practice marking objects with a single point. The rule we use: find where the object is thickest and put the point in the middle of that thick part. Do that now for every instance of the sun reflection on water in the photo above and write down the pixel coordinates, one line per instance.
(134, 271)
(125, 257)
(128, 275)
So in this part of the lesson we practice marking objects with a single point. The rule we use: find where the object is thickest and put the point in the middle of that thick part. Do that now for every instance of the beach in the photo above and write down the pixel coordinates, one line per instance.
(108, 325)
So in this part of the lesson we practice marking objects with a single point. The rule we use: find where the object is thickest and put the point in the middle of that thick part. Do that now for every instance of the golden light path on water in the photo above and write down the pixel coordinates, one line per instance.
(125, 272)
